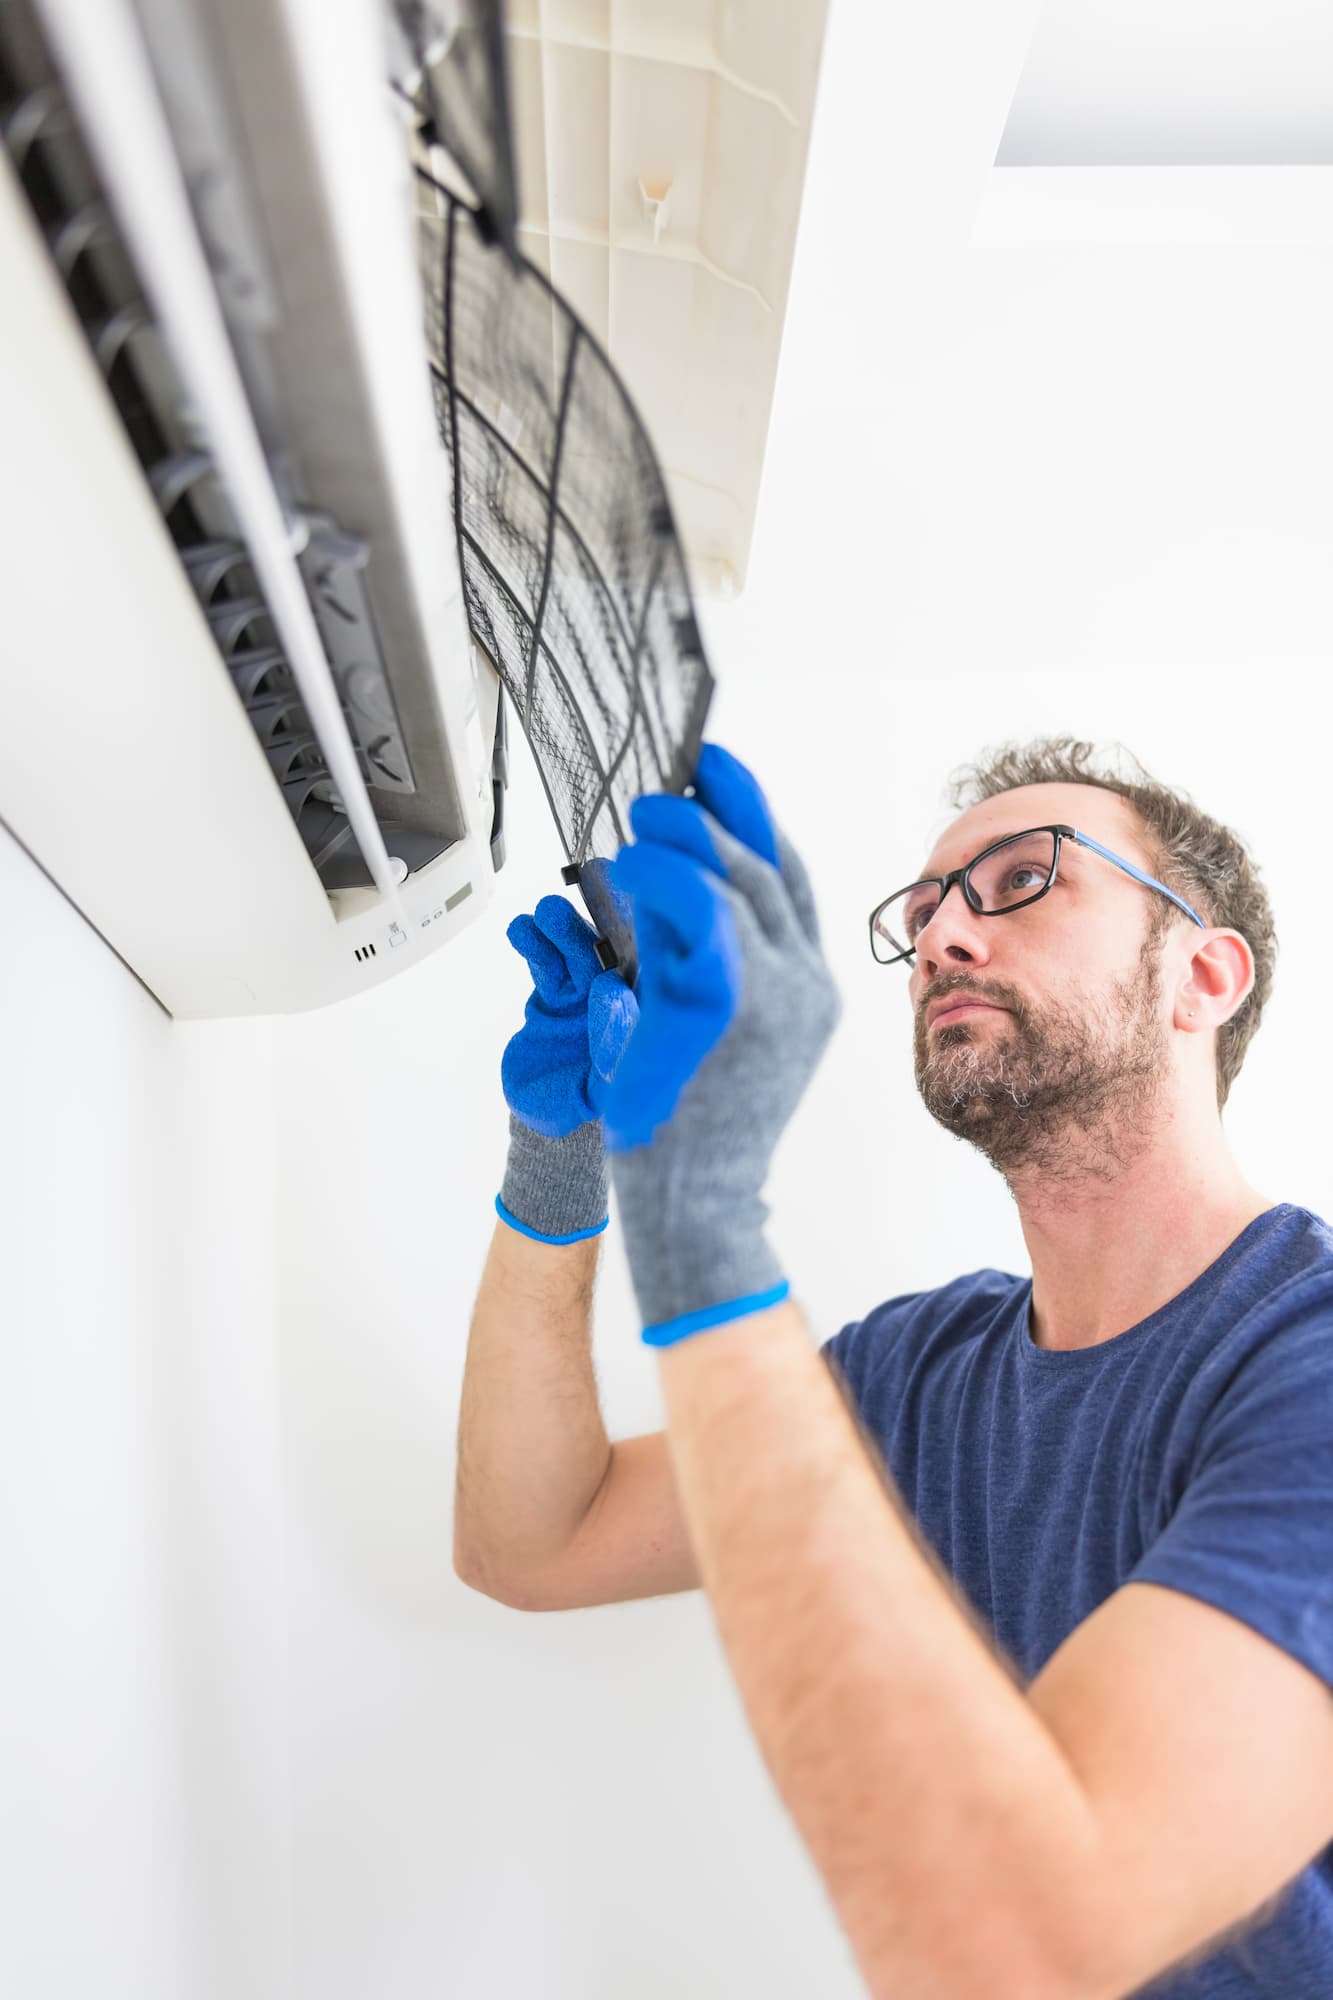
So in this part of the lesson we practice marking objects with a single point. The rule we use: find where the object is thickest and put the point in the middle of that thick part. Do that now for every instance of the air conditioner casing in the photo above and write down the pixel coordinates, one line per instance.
(243, 724)
(130, 768)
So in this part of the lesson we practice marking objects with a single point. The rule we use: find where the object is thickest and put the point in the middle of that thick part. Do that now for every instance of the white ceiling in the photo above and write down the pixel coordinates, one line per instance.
(1175, 83)
(1103, 455)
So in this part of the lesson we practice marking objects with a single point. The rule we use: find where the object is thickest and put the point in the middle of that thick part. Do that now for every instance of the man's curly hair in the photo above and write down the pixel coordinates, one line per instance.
(1202, 860)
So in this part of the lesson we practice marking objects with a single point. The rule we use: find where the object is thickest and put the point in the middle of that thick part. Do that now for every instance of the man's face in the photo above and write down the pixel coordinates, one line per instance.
(1066, 1077)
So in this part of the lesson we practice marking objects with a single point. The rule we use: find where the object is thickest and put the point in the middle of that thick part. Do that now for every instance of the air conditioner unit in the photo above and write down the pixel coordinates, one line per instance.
(244, 728)
(309, 472)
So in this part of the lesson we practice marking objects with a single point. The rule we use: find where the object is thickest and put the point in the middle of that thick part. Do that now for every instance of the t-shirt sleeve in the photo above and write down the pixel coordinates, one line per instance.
(862, 1345)
(866, 1350)
(1253, 1531)
(835, 1348)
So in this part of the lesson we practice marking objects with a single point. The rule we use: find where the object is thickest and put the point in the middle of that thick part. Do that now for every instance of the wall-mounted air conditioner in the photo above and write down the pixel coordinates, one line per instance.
(243, 727)
(311, 474)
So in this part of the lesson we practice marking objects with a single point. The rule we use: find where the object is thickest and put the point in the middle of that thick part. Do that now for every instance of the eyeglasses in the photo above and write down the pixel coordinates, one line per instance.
(995, 883)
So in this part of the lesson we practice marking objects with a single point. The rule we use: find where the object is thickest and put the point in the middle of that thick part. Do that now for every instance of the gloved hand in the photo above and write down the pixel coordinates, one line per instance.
(577, 1023)
(736, 1008)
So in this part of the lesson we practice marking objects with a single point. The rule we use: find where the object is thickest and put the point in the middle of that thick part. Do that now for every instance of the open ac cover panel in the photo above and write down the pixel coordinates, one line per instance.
(253, 719)
(661, 153)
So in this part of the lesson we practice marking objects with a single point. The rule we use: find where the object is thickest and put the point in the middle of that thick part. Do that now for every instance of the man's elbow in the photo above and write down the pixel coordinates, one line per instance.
(501, 1590)
(1001, 1950)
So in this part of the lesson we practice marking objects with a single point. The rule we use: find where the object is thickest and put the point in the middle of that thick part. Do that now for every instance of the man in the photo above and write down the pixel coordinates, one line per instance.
(1037, 1647)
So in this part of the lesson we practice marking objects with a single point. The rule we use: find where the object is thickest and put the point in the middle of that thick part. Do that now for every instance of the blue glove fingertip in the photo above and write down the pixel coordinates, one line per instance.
(677, 903)
(612, 1014)
(573, 937)
(679, 823)
(735, 797)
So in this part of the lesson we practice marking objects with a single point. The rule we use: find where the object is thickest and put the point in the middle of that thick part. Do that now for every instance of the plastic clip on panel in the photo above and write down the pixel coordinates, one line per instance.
(608, 957)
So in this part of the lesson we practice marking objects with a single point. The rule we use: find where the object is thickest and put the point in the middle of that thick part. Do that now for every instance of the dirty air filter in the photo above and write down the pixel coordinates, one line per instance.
(461, 80)
(573, 573)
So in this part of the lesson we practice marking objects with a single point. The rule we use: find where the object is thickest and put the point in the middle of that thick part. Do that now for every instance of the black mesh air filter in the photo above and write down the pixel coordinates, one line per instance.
(459, 46)
(574, 577)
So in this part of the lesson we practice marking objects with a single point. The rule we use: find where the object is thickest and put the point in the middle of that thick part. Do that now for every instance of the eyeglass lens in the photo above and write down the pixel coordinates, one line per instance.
(1011, 874)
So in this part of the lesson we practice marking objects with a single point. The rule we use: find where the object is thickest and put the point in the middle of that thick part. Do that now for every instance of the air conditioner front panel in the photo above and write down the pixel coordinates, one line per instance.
(127, 764)
(351, 420)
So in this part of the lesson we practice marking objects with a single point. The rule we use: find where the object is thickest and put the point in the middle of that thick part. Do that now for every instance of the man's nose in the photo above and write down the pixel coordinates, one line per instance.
(954, 929)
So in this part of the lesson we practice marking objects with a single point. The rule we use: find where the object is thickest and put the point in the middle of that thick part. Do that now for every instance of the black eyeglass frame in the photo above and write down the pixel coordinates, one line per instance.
(963, 877)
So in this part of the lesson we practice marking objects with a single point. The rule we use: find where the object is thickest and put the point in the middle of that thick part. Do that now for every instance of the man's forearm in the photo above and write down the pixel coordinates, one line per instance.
(532, 1447)
(952, 1835)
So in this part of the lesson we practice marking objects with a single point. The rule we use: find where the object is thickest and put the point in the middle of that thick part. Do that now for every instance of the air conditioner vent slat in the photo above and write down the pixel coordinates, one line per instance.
(43, 137)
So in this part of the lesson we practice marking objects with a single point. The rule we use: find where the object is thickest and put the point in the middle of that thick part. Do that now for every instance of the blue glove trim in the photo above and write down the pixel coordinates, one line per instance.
(671, 1330)
(536, 1235)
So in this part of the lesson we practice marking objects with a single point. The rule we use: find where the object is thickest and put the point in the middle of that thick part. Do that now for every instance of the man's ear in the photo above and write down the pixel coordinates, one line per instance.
(1220, 977)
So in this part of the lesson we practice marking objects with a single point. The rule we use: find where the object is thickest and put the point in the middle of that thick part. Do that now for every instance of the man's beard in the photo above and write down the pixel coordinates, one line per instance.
(1064, 1094)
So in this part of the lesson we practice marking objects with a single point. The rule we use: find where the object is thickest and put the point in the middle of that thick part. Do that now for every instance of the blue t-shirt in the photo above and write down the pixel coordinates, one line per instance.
(1194, 1451)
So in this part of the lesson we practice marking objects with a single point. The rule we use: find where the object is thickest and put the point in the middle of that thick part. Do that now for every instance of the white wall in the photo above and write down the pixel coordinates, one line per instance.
(490, 1803)
(958, 547)
(1005, 495)
(143, 1770)
(257, 1739)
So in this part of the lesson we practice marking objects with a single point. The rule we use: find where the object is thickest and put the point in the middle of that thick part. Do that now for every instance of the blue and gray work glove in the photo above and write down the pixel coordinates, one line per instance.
(576, 1024)
(736, 1007)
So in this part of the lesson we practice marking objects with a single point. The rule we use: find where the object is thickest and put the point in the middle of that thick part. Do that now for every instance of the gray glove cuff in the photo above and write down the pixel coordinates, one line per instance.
(686, 1265)
(556, 1187)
